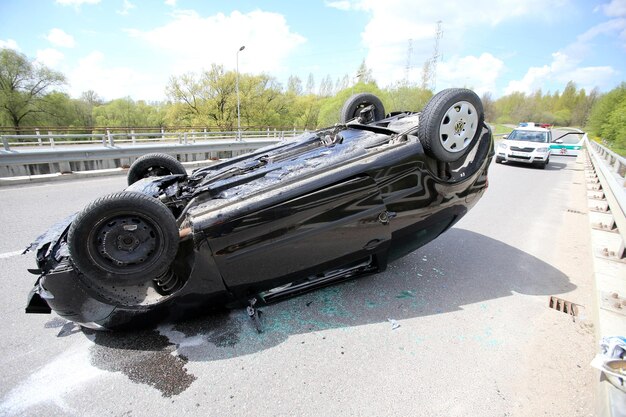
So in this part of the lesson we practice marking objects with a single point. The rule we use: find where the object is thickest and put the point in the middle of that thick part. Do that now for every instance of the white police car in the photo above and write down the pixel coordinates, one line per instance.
(530, 145)
(568, 144)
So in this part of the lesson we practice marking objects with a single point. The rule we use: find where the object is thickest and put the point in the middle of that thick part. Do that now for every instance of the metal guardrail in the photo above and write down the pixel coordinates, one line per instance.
(611, 169)
(109, 139)
(81, 153)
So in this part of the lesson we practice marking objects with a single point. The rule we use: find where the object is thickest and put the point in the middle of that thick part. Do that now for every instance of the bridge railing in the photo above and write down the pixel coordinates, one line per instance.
(110, 139)
(610, 169)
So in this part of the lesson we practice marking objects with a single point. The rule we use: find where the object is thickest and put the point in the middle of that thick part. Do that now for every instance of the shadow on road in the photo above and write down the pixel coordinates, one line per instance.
(552, 166)
(459, 268)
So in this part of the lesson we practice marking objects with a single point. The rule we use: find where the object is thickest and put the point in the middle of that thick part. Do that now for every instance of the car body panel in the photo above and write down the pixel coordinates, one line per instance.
(570, 145)
(327, 206)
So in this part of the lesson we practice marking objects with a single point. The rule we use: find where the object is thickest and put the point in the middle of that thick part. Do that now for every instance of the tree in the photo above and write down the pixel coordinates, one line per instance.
(87, 102)
(294, 85)
(326, 87)
(608, 117)
(23, 86)
(364, 74)
(310, 84)
(489, 107)
(402, 97)
(342, 83)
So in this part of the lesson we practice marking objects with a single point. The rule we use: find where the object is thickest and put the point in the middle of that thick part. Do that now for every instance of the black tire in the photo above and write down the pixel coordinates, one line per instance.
(353, 106)
(451, 124)
(154, 165)
(499, 160)
(123, 238)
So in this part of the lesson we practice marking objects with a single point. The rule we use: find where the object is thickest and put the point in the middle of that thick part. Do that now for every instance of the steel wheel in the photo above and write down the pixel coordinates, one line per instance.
(124, 238)
(125, 243)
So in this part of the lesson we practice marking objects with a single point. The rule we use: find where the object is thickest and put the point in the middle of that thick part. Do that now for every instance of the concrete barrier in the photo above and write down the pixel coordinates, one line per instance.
(28, 162)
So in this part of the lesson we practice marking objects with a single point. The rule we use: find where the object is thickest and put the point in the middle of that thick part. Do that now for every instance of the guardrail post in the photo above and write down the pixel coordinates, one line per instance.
(294, 131)
(51, 139)
(110, 138)
(5, 142)
(204, 135)
(274, 132)
(180, 139)
(104, 140)
(39, 142)
(132, 136)
(185, 138)
(162, 134)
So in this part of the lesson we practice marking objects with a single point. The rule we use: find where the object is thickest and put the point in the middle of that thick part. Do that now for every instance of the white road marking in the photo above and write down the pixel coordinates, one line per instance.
(10, 254)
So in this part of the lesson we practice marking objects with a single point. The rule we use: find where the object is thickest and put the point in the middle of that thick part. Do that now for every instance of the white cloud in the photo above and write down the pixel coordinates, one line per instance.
(563, 68)
(126, 8)
(76, 3)
(9, 44)
(171, 3)
(477, 72)
(192, 42)
(393, 22)
(340, 4)
(566, 63)
(93, 72)
(59, 38)
(49, 57)
(616, 8)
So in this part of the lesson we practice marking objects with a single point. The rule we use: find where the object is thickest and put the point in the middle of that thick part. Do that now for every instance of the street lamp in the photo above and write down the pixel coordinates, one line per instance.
(237, 89)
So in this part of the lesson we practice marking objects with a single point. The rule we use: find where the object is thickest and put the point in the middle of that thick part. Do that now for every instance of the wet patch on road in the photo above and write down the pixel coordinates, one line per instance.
(145, 357)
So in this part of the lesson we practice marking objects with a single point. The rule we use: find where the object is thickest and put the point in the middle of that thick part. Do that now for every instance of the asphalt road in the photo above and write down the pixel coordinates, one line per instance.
(476, 336)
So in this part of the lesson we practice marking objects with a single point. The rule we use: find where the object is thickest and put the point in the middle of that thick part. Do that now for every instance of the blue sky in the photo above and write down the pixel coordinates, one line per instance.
(130, 48)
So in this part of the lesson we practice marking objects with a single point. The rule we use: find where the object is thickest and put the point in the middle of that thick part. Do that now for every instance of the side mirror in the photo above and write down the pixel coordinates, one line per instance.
(505, 136)
(558, 141)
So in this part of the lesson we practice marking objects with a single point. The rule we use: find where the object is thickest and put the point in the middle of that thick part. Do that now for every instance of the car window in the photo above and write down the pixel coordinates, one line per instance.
(570, 139)
(528, 135)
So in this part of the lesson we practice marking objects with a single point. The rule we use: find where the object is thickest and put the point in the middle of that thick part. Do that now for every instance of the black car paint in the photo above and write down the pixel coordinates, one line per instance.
(328, 206)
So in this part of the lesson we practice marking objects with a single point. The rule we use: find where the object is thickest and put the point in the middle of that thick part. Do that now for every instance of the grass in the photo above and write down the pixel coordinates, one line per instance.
(500, 129)
(617, 149)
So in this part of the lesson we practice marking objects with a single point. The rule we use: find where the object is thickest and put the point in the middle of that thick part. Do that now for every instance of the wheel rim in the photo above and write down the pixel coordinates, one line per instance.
(458, 126)
(125, 243)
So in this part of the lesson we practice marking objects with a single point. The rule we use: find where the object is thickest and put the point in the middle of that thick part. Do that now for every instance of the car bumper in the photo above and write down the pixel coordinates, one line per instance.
(527, 158)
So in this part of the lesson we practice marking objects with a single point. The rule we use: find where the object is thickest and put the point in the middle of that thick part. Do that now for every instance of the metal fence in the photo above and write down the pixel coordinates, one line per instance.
(610, 169)
(111, 139)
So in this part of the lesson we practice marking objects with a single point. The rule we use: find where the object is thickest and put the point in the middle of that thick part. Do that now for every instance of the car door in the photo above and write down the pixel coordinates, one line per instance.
(321, 229)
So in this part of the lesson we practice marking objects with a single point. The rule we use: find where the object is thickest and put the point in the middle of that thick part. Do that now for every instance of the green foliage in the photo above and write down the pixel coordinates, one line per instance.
(571, 108)
(209, 99)
(602, 111)
(23, 88)
(330, 107)
(402, 97)
(124, 112)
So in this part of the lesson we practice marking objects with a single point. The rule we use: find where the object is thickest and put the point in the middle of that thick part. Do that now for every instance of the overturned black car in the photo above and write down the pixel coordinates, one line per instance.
(327, 206)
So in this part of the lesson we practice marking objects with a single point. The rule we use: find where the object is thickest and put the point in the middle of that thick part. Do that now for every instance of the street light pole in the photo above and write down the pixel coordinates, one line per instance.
(237, 89)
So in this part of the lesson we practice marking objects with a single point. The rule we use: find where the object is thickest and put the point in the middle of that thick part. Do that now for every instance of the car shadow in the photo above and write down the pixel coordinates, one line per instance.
(457, 269)
(552, 165)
